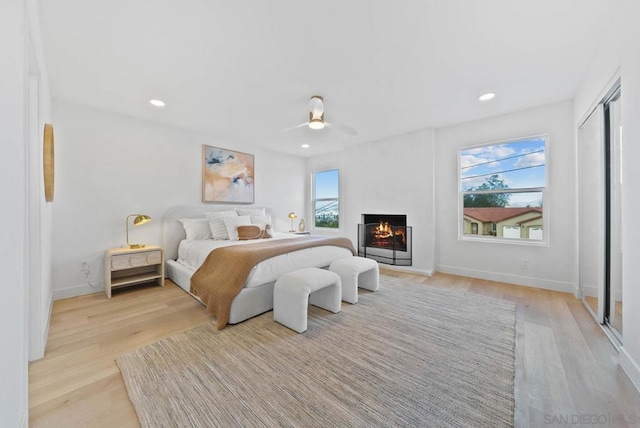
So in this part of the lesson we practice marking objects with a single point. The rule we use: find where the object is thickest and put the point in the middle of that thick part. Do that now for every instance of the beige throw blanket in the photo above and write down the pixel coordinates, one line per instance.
(224, 273)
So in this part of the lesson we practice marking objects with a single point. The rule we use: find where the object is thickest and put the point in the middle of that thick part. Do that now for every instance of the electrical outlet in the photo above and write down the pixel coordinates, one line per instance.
(524, 264)
(84, 265)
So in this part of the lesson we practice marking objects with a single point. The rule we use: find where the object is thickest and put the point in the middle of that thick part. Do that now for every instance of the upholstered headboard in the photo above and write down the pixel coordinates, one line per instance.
(173, 232)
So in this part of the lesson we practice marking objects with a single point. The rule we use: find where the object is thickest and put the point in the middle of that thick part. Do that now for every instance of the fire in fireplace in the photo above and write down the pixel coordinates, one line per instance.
(385, 238)
(386, 231)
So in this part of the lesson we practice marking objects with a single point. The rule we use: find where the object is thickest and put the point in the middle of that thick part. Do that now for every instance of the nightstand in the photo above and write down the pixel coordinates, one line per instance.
(127, 266)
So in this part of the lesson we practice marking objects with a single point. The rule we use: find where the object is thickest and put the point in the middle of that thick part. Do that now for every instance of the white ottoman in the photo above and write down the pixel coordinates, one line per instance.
(294, 291)
(356, 272)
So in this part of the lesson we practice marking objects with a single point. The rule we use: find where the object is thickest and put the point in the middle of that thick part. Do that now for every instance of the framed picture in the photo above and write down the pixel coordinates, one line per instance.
(227, 176)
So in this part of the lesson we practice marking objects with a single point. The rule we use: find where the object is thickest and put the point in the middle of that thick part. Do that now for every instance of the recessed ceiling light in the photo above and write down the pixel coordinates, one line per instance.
(486, 97)
(157, 103)
(305, 146)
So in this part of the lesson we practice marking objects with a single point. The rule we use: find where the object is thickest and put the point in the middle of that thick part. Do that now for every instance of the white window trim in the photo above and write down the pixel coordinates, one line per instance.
(313, 202)
(545, 242)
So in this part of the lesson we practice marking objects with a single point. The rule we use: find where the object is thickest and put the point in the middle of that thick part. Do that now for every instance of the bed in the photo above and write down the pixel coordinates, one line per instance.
(183, 258)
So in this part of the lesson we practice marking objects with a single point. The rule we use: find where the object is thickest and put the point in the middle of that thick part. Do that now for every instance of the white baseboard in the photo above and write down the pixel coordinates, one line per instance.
(408, 269)
(79, 290)
(589, 291)
(527, 281)
(630, 367)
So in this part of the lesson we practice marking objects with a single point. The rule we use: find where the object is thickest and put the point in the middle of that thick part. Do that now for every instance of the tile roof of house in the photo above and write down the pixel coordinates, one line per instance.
(495, 215)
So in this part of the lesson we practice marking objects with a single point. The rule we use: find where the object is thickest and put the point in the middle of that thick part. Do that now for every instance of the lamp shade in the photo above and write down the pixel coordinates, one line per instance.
(141, 219)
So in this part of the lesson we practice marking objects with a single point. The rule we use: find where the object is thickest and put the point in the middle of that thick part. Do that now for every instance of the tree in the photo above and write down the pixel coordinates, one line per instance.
(491, 199)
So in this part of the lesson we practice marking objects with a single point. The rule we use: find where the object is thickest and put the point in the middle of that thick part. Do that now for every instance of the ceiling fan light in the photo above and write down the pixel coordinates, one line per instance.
(316, 124)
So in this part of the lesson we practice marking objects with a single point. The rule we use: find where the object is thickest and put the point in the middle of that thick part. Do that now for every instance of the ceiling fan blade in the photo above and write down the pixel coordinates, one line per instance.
(291, 128)
(342, 128)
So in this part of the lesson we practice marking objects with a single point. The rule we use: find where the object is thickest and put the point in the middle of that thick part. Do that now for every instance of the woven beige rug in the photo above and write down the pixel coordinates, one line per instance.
(407, 355)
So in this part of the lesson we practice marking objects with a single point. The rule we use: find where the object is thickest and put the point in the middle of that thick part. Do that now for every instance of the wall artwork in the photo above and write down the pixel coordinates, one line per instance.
(227, 176)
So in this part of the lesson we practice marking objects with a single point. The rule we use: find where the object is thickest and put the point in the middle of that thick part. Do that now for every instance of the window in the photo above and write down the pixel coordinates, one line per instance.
(326, 201)
(502, 189)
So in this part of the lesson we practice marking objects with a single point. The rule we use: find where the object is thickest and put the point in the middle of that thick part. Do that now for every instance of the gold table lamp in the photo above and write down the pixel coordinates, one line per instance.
(292, 216)
(137, 221)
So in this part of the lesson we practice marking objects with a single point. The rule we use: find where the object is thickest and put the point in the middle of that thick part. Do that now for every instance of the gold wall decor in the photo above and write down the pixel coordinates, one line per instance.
(48, 162)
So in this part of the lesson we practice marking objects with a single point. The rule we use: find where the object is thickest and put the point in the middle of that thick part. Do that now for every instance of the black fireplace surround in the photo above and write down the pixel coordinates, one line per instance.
(385, 238)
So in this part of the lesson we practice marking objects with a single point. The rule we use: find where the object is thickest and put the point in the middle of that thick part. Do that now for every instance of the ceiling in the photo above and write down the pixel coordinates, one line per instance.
(242, 70)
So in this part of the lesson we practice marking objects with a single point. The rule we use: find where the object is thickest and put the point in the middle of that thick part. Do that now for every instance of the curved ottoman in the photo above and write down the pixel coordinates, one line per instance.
(294, 291)
(356, 272)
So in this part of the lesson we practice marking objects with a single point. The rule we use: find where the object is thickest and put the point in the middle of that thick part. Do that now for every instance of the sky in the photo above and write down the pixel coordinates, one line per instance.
(520, 164)
(326, 184)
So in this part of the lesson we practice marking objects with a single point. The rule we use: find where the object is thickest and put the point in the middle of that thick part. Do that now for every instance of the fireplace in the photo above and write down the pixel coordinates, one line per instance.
(385, 238)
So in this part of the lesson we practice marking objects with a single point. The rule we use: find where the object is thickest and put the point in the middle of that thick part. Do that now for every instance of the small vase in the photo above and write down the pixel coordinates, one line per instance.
(301, 225)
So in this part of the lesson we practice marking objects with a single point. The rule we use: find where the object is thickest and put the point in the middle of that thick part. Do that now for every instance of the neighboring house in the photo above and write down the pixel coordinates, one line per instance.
(523, 223)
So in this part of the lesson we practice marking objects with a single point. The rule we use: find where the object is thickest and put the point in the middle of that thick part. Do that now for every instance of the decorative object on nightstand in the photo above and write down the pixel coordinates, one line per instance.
(292, 216)
(130, 266)
(301, 225)
(137, 221)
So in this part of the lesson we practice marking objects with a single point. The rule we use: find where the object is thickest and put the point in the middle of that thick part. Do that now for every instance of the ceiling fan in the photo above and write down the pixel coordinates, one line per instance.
(316, 119)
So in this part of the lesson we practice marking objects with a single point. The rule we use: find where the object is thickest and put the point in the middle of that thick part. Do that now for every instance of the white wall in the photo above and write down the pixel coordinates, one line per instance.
(13, 304)
(620, 51)
(389, 176)
(109, 166)
(552, 267)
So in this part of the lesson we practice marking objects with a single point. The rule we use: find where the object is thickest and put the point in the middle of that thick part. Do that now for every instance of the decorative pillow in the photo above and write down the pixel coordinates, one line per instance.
(253, 231)
(249, 232)
(252, 211)
(216, 223)
(197, 229)
(261, 220)
(232, 224)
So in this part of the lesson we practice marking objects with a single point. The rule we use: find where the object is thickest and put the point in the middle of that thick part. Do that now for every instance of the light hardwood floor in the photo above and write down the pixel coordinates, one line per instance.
(567, 372)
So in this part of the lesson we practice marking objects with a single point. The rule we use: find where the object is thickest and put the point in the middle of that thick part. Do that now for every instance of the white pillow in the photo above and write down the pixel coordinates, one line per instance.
(216, 223)
(261, 220)
(232, 224)
(197, 229)
(251, 211)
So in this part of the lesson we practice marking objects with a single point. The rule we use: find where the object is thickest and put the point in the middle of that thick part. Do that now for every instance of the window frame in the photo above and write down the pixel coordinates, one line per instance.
(314, 200)
(543, 190)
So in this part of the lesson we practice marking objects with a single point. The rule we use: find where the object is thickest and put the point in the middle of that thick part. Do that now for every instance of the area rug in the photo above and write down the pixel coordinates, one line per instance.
(407, 355)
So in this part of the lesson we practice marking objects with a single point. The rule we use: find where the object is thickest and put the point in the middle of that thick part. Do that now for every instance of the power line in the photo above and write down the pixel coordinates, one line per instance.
(501, 172)
(500, 160)
(326, 208)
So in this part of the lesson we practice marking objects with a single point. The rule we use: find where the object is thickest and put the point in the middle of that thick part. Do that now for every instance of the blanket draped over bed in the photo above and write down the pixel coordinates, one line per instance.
(225, 271)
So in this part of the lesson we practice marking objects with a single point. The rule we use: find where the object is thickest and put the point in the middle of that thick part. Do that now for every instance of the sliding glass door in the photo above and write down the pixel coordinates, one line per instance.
(591, 195)
(600, 225)
(613, 277)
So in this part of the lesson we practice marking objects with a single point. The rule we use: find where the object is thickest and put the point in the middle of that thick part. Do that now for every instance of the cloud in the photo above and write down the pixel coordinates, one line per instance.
(530, 160)
(488, 156)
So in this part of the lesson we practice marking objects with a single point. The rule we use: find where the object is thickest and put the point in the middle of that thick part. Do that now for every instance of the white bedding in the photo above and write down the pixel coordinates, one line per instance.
(193, 253)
